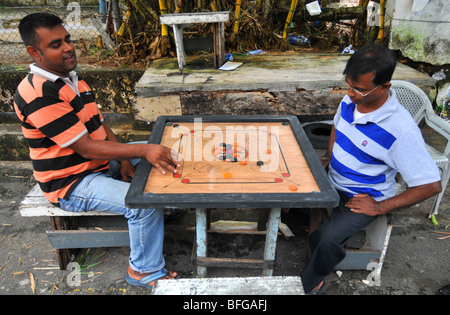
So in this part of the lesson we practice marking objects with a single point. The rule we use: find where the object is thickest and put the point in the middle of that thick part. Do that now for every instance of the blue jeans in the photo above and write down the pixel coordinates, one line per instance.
(106, 192)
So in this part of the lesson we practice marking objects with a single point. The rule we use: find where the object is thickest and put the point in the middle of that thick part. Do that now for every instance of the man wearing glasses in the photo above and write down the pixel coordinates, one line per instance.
(373, 137)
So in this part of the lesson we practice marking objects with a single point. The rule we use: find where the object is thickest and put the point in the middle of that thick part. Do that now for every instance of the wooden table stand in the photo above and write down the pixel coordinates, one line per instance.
(179, 21)
(266, 264)
(291, 176)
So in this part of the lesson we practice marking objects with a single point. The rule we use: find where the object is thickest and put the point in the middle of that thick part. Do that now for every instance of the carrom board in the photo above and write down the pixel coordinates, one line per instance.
(233, 161)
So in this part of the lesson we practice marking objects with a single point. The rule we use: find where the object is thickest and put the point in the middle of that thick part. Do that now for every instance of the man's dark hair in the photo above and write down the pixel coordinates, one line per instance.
(372, 58)
(29, 24)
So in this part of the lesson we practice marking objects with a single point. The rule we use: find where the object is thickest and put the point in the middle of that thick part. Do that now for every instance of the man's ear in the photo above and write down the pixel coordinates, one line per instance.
(387, 85)
(33, 52)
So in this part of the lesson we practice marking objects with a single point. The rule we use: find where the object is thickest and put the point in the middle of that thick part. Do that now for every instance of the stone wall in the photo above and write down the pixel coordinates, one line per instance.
(422, 35)
(420, 30)
(113, 88)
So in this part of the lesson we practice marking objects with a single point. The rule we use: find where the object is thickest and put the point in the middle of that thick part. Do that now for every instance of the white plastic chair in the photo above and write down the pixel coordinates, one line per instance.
(419, 105)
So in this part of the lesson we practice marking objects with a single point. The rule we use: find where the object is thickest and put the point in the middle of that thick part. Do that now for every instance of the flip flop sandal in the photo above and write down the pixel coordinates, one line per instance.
(319, 291)
(144, 282)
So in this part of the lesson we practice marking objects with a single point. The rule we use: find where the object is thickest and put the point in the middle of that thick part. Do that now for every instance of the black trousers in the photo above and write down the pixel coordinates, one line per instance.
(329, 242)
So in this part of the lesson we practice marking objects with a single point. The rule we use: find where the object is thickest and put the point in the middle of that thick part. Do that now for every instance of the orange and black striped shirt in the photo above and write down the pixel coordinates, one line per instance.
(54, 116)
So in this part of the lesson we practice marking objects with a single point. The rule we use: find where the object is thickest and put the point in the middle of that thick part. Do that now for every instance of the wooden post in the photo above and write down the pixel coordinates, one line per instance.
(63, 223)
(219, 44)
(271, 238)
(201, 239)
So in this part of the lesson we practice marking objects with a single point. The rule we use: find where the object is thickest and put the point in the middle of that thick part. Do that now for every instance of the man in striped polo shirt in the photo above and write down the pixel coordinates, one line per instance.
(77, 159)
(373, 137)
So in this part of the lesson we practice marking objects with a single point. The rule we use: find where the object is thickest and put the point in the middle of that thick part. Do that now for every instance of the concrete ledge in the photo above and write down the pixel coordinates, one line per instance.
(308, 85)
(231, 286)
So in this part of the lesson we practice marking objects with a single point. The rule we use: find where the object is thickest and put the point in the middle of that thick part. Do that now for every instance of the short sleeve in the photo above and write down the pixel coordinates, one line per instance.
(413, 161)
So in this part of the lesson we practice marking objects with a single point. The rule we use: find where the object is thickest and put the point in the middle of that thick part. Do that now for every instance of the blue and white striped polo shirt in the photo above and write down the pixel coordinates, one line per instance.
(369, 151)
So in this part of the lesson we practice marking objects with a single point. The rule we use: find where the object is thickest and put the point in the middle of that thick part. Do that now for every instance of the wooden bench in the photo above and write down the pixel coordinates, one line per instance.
(368, 246)
(179, 21)
(366, 250)
(72, 231)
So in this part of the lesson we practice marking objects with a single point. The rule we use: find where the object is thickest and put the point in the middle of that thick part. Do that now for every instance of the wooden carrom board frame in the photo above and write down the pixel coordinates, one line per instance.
(195, 187)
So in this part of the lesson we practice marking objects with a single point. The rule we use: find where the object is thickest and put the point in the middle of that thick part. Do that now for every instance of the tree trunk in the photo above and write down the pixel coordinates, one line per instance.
(145, 8)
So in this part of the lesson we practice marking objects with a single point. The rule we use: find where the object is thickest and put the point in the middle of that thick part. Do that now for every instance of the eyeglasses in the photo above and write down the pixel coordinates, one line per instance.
(356, 90)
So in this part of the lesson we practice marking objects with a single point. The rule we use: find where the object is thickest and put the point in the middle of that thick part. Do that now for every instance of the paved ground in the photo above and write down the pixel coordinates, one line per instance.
(416, 260)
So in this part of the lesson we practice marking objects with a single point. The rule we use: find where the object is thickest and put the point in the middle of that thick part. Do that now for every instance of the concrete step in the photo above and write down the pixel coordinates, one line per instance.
(10, 129)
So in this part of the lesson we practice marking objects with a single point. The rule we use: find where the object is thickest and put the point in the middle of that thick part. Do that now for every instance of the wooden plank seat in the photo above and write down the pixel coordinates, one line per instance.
(366, 249)
(72, 231)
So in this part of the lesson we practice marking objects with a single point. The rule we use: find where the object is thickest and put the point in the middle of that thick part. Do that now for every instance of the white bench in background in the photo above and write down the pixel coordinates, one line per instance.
(179, 21)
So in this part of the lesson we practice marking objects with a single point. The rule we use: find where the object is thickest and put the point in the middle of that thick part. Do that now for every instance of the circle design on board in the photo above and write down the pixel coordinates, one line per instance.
(229, 152)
